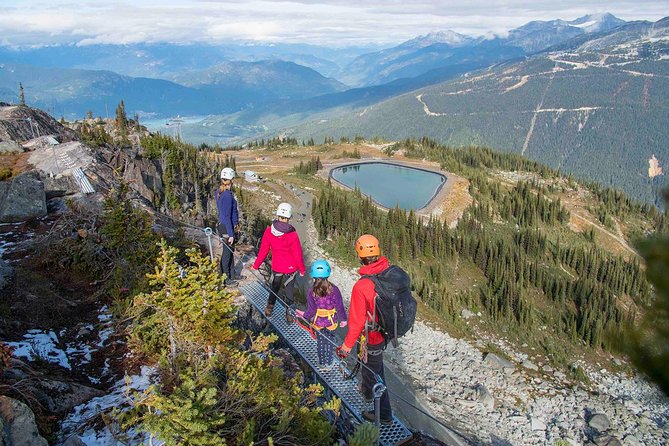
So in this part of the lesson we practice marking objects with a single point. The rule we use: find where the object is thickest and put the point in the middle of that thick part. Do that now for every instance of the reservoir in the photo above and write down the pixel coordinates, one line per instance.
(391, 185)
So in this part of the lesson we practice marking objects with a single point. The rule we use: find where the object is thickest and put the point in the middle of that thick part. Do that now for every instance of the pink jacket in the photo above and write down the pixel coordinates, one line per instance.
(286, 249)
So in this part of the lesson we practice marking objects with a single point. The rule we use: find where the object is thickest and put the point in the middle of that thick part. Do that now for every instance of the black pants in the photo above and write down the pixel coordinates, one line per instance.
(325, 345)
(279, 280)
(375, 366)
(226, 265)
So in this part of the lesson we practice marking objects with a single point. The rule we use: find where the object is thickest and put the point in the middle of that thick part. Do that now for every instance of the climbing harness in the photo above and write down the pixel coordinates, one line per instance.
(329, 314)
(360, 358)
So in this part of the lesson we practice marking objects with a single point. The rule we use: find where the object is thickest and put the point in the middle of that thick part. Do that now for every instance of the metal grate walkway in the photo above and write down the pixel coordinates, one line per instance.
(81, 179)
(305, 345)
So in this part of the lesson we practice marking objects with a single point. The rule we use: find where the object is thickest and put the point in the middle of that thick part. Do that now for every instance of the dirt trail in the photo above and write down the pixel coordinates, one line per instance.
(618, 238)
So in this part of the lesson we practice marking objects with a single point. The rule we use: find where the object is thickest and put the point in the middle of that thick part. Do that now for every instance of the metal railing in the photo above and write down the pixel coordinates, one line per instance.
(346, 389)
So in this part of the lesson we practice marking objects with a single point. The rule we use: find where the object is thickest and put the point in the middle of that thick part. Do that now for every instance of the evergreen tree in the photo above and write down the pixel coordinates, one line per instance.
(22, 97)
(121, 120)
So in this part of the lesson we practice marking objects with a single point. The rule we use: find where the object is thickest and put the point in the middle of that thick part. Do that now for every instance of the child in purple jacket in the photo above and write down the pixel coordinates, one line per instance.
(325, 310)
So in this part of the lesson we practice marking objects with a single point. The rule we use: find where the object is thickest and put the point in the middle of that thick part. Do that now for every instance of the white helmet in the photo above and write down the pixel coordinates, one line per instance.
(227, 173)
(284, 210)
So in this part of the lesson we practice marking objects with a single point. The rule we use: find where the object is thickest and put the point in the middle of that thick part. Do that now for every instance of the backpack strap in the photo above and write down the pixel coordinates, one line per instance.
(373, 325)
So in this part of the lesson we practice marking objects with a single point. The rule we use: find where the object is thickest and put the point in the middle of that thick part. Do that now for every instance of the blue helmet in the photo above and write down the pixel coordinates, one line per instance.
(320, 269)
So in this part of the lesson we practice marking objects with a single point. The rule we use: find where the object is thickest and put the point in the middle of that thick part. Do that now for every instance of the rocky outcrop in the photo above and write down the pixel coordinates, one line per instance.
(654, 168)
(143, 174)
(10, 147)
(18, 424)
(21, 123)
(22, 198)
(59, 397)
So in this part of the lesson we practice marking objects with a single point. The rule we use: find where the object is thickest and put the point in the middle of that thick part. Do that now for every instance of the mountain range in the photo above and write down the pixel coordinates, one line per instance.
(251, 75)
(563, 92)
(225, 88)
(595, 107)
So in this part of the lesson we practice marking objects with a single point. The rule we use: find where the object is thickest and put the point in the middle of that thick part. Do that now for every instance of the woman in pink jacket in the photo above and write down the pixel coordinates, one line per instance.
(282, 240)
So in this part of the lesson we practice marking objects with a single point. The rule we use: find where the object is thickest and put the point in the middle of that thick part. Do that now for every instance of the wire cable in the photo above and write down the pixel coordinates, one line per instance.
(262, 281)
(377, 377)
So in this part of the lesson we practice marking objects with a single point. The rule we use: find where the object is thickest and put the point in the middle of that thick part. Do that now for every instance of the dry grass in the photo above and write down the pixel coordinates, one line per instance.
(17, 162)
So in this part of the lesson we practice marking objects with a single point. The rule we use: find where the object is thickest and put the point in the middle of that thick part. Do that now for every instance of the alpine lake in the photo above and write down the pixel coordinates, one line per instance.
(391, 185)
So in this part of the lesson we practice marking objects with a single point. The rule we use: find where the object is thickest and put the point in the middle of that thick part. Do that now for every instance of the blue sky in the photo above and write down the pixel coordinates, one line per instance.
(328, 22)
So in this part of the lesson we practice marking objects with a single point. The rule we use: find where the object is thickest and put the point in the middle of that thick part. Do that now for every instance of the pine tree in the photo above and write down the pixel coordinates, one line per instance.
(121, 120)
(22, 97)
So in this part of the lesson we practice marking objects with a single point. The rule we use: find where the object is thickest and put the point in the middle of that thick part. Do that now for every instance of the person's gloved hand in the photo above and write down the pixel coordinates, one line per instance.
(300, 313)
(343, 351)
(343, 324)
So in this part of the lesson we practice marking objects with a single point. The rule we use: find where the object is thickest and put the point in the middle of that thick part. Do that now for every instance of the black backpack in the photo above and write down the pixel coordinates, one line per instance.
(394, 304)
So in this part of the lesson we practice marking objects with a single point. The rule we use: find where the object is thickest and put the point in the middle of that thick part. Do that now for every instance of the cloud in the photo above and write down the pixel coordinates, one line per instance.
(330, 22)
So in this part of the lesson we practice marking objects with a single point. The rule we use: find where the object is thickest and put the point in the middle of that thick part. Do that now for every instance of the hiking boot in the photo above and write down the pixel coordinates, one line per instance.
(371, 417)
(327, 367)
(230, 282)
(365, 396)
(269, 309)
(289, 317)
(239, 277)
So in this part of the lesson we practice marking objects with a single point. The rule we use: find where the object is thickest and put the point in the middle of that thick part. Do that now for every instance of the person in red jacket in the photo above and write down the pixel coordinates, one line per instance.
(282, 240)
(360, 318)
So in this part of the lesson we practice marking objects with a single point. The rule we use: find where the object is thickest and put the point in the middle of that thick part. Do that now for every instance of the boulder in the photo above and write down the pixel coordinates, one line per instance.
(530, 365)
(631, 440)
(6, 274)
(599, 422)
(538, 425)
(484, 396)
(10, 147)
(607, 440)
(18, 424)
(22, 198)
(496, 362)
(60, 397)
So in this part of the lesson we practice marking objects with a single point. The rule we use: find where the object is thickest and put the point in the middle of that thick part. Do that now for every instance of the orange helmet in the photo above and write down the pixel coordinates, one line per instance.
(367, 246)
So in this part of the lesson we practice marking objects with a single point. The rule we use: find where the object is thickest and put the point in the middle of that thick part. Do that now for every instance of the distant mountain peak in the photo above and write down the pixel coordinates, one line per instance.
(449, 37)
(597, 22)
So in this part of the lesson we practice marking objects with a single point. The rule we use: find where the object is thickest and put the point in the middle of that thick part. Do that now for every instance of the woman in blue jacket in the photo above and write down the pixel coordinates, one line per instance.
(228, 218)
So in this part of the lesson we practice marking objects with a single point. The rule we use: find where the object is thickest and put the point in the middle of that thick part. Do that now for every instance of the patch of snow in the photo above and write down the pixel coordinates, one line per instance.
(4, 246)
(105, 318)
(584, 24)
(39, 344)
(42, 345)
(79, 424)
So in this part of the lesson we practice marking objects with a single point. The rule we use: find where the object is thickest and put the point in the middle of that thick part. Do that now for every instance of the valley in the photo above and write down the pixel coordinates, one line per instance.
(517, 173)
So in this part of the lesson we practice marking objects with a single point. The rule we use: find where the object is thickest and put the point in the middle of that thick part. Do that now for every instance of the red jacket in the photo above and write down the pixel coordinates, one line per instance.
(362, 302)
(286, 251)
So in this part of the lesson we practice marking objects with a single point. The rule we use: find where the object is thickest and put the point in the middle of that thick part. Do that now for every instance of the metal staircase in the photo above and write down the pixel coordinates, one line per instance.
(347, 390)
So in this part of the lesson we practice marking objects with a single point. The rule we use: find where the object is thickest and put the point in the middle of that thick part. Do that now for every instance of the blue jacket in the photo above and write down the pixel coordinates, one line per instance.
(227, 211)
